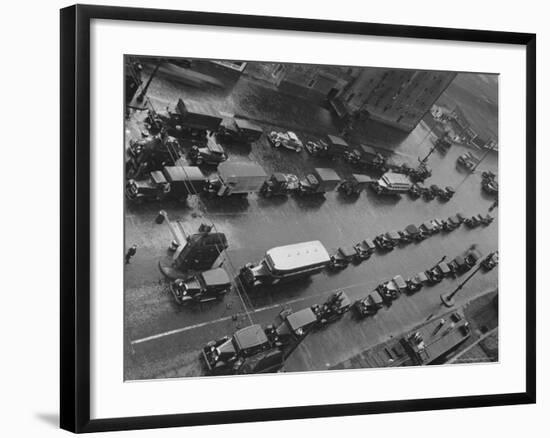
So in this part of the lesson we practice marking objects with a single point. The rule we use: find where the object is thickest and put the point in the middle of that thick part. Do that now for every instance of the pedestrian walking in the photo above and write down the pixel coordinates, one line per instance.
(130, 253)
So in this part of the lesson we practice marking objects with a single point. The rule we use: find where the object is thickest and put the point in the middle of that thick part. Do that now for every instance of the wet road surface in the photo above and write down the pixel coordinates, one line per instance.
(163, 339)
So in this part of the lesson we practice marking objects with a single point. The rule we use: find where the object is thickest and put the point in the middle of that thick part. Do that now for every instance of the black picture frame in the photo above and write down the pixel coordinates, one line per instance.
(75, 216)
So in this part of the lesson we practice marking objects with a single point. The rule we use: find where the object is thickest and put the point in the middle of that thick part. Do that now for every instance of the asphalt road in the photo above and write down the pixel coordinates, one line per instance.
(162, 338)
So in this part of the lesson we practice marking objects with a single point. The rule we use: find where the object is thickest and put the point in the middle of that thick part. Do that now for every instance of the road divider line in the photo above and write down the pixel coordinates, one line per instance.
(226, 318)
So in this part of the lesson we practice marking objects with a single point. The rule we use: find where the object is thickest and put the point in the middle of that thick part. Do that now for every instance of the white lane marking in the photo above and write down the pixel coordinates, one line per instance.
(226, 318)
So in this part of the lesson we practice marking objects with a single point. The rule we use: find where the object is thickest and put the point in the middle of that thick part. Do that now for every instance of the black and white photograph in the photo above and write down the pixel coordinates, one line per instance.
(286, 217)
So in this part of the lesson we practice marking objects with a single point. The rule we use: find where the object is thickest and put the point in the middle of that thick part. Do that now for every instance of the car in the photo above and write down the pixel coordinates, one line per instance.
(412, 232)
(212, 154)
(388, 291)
(433, 275)
(472, 257)
(436, 190)
(343, 257)
(486, 220)
(383, 243)
(444, 269)
(316, 147)
(414, 284)
(472, 222)
(490, 261)
(368, 306)
(394, 237)
(447, 193)
(202, 287)
(333, 308)
(427, 228)
(415, 191)
(247, 351)
(365, 249)
(288, 140)
(280, 184)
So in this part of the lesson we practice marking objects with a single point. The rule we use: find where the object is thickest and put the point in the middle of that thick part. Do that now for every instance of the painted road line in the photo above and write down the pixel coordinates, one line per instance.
(226, 318)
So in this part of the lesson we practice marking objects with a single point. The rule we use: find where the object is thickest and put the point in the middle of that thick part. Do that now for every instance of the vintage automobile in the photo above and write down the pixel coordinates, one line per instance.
(472, 222)
(411, 233)
(414, 284)
(369, 305)
(202, 287)
(468, 160)
(436, 190)
(236, 130)
(452, 223)
(420, 174)
(392, 183)
(416, 190)
(248, 351)
(333, 308)
(280, 184)
(437, 225)
(434, 275)
(486, 220)
(290, 328)
(343, 257)
(211, 154)
(444, 269)
(428, 228)
(288, 140)
(383, 243)
(155, 187)
(365, 249)
(429, 194)
(366, 158)
(390, 290)
(319, 182)
(316, 148)
(394, 236)
(355, 184)
(490, 262)
(458, 265)
(472, 256)
(447, 194)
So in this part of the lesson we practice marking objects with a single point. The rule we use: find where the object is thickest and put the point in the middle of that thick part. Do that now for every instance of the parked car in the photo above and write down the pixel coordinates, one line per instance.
(414, 284)
(212, 154)
(365, 248)
(202, 287)
(288, 140)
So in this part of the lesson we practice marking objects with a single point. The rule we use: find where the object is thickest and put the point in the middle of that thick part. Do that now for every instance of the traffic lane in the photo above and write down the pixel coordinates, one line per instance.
(357, 281)
(323, 348)
(151, 308)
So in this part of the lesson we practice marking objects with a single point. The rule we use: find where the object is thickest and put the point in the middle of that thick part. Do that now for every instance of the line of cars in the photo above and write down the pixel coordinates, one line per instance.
(256, 349)
(388, 291)
(390, 240)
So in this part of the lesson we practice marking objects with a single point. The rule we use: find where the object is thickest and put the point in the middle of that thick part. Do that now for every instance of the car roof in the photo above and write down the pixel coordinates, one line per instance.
(251, 336)
(337, 140)
(215, 276)
(301, 318)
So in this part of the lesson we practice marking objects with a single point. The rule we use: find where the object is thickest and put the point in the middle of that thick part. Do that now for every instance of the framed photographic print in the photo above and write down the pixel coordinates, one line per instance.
(272, 218)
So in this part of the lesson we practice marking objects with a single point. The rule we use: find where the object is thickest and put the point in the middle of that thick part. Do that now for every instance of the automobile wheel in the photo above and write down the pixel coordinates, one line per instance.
(277, 144)
(198, 161)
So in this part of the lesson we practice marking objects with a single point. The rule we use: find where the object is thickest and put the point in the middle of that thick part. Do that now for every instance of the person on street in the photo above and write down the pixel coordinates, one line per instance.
(130, 253)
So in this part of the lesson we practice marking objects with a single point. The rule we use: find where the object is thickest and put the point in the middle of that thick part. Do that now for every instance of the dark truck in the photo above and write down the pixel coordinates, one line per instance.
(331, 147)
(367, 158)
(248, 351)
(202, 287)
(235, 130)
(174, 182)
(189, 118)
(319, 182)
(212, 153)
